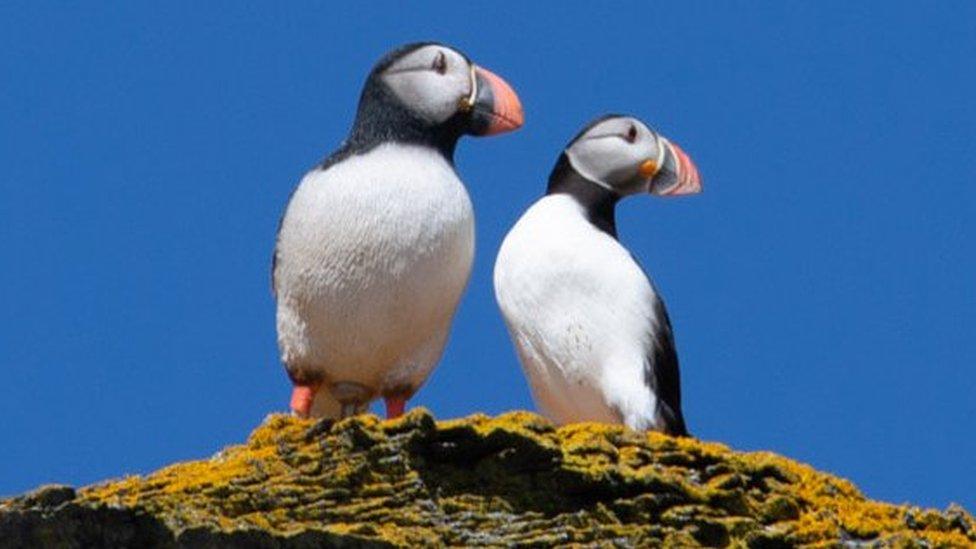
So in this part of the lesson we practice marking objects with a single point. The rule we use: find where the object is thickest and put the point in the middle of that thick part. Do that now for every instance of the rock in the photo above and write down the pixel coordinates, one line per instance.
(478, 481)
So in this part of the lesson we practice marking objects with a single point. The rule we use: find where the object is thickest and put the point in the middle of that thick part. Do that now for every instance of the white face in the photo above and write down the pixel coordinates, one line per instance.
(612, 152)
(431, 81)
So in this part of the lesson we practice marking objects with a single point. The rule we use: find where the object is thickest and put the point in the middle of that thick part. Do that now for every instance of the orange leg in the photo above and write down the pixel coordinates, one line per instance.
(395, 406)
(302, 397)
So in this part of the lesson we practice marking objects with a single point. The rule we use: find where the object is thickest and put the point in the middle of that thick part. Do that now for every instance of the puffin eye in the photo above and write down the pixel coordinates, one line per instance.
(631, 136)
(440, 63)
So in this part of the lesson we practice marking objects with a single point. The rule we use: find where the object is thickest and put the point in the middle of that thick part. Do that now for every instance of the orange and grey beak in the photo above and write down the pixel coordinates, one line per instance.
(672, 173)
(493, 104)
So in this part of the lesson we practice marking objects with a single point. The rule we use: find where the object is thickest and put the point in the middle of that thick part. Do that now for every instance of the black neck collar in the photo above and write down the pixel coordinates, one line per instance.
(597, 201)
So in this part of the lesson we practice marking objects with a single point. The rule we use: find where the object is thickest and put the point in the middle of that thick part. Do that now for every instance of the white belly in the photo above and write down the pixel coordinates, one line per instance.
(579, 312)
(373, 256)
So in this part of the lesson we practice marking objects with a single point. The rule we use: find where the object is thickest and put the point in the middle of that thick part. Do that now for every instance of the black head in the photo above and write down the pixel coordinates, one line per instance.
(431, 94)
(624, 156)
(614, 156)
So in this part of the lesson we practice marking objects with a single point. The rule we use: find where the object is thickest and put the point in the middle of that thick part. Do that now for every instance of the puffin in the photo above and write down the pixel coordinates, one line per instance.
(589, 326)
(376, 243)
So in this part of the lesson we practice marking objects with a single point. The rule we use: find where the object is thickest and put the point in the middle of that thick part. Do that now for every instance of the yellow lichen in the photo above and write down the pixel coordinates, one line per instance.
(511, 479)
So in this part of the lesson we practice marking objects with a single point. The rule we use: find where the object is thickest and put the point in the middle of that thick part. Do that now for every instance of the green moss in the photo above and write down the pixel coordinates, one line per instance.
(512, 479)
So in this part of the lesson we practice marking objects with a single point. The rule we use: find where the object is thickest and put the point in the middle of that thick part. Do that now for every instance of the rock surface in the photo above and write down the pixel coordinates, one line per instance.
(478, 481)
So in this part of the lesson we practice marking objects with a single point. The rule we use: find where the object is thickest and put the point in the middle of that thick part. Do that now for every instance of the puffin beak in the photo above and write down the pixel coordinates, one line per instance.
(494, 106)
(676, 175)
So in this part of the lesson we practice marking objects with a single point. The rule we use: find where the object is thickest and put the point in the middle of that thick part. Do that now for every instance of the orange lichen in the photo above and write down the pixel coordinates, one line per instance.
(511, 479)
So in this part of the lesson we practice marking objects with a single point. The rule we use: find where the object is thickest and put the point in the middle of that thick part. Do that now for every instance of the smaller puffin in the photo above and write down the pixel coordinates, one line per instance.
(589, 326)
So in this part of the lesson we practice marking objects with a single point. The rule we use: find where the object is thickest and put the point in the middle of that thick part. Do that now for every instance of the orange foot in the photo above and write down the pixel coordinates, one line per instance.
(302, 397)
(395, 406)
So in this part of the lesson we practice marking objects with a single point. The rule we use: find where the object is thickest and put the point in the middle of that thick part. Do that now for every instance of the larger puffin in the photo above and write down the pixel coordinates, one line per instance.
(376, 244)
(589, 327)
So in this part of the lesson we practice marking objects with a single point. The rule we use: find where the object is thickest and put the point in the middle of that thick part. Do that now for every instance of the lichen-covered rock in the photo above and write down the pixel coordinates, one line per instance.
(479, 481)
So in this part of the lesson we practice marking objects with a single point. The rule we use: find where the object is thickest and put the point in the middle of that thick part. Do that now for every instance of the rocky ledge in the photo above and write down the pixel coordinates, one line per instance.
(478, 481)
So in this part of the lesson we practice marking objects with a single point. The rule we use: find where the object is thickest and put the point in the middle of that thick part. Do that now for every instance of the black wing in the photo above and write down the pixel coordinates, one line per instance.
(274, 258)
(661, 374)
(274, 253)
(661, 370)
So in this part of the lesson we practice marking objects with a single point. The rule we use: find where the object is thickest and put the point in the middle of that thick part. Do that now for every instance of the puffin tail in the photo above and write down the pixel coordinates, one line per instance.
(671, 422)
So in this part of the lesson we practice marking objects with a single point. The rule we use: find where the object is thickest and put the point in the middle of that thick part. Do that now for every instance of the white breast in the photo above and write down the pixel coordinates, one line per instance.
(373, 256)
(579, 310)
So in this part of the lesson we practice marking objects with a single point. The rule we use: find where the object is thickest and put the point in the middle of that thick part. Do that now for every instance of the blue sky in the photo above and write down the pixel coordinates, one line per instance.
(821, 288)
